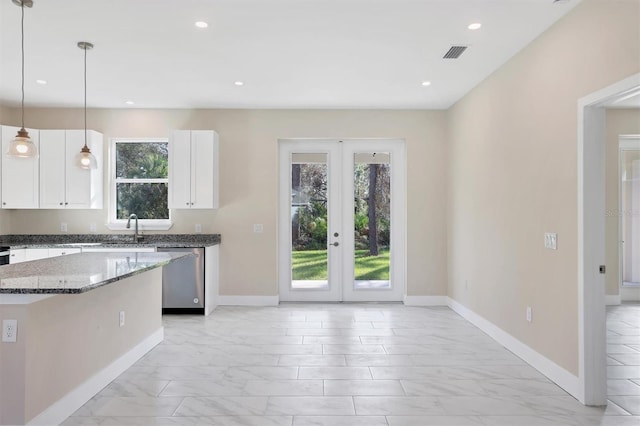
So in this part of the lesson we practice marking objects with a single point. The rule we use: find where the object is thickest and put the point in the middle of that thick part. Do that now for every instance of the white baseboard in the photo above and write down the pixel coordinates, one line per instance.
(630, 293)
(248, 300)
(613, 299)
(68, 404)
(544, 365)
(426, 300)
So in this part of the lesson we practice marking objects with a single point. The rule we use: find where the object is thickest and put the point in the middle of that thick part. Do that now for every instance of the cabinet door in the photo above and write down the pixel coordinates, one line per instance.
(54, 252)
(35, 254)
(17, 256)
(78, 181)
(203, 144)
(20, 176)
(180, 170)
(52, 169)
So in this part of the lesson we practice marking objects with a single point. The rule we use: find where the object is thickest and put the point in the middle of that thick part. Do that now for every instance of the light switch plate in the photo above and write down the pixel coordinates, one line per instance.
(198, 228)
(258, 228)
(9, 330)
(551, 240)
(63, 227)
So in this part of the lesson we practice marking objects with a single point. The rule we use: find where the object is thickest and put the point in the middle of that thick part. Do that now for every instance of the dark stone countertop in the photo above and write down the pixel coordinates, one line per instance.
(109, 240)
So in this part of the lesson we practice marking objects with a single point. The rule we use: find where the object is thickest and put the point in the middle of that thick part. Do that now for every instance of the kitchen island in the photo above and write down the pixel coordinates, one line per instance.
(82, 319)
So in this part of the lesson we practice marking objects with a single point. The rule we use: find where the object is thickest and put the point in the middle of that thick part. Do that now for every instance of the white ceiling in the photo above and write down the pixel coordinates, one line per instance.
(288, 53)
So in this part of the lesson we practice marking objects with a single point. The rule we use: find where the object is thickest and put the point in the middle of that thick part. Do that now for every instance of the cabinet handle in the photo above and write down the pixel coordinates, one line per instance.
(4, 203)
(187, 203)
(191, 203)
(66, 204)
(61, 203)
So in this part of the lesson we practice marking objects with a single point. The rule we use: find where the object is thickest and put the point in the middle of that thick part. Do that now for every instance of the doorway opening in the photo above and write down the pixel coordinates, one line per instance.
(629, 215)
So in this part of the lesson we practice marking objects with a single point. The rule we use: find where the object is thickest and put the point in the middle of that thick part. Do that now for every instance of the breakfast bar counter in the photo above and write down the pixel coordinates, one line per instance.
(76, 323)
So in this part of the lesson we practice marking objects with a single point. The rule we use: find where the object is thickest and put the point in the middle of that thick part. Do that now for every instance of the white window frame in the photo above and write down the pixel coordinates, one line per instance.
(120, 224)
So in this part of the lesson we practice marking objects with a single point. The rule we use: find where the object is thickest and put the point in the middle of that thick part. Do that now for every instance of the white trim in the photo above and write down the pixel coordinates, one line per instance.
(613, 299)
(248, 300)
(57, 412)
(544, 365)
(426, 300)
(630, 293)
(591, 297)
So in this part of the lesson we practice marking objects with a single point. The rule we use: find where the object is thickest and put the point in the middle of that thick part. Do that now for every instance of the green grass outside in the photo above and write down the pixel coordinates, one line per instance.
(312, 265)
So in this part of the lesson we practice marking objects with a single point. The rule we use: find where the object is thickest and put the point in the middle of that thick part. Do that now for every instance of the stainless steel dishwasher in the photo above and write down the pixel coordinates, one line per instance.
(183, 283)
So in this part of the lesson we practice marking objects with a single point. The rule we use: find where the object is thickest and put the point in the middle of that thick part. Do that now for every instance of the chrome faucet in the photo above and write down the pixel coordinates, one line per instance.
(136, 236)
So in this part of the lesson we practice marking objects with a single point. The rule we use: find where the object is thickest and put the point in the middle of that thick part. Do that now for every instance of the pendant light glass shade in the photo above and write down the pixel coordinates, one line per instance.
(85, 159)
(22, 146)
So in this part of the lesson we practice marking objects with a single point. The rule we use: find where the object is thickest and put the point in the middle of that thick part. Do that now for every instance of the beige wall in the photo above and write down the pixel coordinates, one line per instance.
(619, 122)
(513, 176)
(249, 182)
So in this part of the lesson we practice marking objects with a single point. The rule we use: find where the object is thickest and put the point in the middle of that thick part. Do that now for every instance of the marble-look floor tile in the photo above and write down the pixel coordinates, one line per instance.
(204, 388)
(311, 406)
(308, 360)
(284, 387)
(223, 406)
(622, 387)
(352, 364)
(134, 388)
(363, 387)
(143, 406)
(340, 421)
(334, 373)
(397, 406)
(629, 403)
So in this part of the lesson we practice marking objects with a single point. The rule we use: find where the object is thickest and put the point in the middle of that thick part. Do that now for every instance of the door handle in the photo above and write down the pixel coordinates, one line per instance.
(336, 244)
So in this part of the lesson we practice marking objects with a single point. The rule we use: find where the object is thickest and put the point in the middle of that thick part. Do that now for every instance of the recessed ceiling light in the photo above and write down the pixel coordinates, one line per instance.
(238, 83)
(41, 81)
(426, 83)
(129, 102)
(475, 26)
(201, 24)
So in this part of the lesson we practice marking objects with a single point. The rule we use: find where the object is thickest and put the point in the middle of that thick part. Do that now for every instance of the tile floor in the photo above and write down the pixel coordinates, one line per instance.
(352, 365)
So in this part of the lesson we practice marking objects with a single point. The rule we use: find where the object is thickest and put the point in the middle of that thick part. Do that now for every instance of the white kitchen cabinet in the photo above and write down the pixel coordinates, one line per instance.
(64, 185)
(36, 253)
(17, 255)
(19, 175)
(193, 169)
(53, 252)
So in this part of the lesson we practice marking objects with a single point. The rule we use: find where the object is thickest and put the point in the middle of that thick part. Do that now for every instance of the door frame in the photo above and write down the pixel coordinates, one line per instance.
(591, 386)
(625, 143)
(398, 220)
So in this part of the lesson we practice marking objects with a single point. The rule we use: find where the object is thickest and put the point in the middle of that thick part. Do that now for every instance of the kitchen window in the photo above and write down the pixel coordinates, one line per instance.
(139, 183)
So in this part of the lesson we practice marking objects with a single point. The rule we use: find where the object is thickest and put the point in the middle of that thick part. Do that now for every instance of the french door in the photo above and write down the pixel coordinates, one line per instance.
(342, 220)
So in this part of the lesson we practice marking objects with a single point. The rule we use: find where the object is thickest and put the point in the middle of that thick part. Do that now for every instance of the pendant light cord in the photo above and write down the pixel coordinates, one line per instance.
(85, 96)
(22, 48)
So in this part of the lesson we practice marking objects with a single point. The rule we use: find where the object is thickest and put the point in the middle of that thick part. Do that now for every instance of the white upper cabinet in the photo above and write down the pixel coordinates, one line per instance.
(19, 175)
(63, 185)
(193, 169)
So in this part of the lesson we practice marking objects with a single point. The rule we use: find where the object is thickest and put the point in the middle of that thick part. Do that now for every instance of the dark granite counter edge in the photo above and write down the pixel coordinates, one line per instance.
(109, 240)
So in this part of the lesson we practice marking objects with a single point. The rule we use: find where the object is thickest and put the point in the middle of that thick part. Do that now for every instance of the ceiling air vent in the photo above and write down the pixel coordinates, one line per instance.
(455, 52)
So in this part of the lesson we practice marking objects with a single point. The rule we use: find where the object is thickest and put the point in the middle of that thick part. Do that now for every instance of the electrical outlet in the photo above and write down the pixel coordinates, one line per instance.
(198, 228)
(9, 330)
(92, 227)
(63, 227)
(258, 228)
(529, 313)
(121, 318)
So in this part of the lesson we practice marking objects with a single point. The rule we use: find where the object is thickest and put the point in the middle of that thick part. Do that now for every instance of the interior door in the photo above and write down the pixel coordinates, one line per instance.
(330, 193)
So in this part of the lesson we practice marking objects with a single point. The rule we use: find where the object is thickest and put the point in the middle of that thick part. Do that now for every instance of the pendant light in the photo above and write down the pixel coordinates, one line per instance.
(85, 159)
(22, 146)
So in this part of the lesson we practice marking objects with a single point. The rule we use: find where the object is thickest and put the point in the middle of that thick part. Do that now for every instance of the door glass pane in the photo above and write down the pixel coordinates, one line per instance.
(372, 220)
(630, 212)
(309, 266)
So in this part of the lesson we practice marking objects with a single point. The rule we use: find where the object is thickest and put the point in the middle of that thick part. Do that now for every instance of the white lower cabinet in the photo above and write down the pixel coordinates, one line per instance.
(23, 255)
(17, 256)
